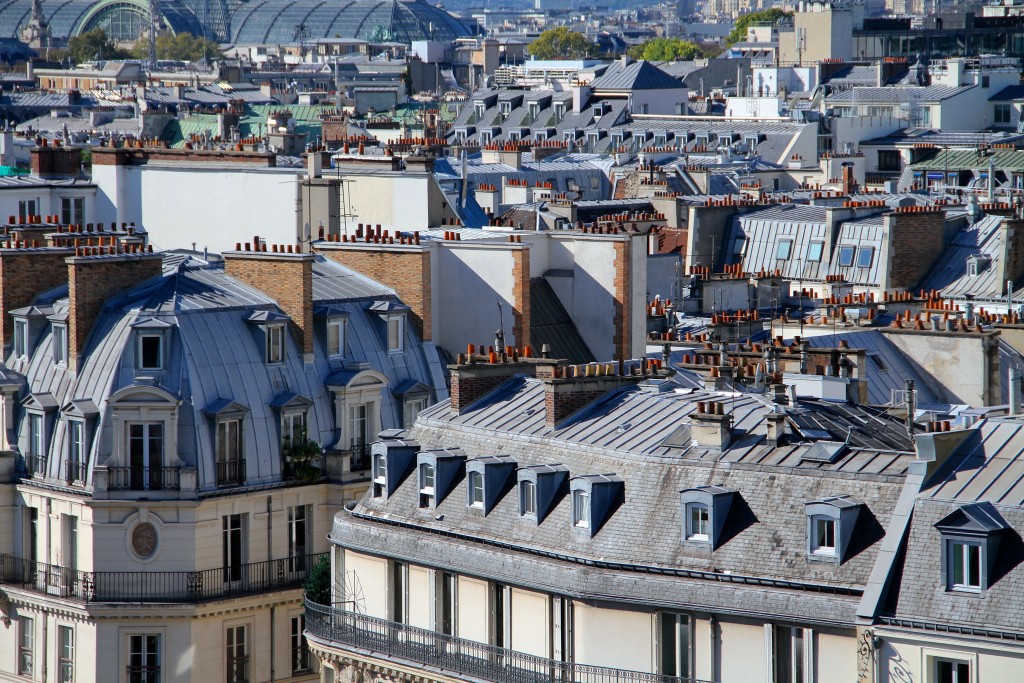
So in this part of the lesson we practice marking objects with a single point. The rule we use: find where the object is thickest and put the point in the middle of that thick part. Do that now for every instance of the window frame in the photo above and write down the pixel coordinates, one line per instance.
(20, 336)
(398, 344)
(581, 509)
(65, 653)
(779, 255)
(72, 210)
(224, 441)
(951, 556)
(528, 493)
(77, 450)
(817, 548)
(36, 434)
(475, 488)
(336, 326)
(59, 336)
(26, 646)
(150, 673)
(140, 349)
(815, 250)
(841, 259)
(274, 345)
(300, 654)
(237, 651)
(865, 251)
(428, 494)
(696, 534)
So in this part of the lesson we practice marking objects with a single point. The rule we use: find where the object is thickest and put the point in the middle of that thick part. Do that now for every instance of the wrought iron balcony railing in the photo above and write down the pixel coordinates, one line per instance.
(195, 586)
(144, 478)
(457, 656)
(230, 473)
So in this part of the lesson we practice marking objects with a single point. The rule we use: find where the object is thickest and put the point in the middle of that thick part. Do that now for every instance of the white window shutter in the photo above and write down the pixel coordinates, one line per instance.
(390, 591)
(809, 670)
(769, 653)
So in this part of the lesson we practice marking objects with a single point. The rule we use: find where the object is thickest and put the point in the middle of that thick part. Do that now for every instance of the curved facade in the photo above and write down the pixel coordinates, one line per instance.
(250, 22)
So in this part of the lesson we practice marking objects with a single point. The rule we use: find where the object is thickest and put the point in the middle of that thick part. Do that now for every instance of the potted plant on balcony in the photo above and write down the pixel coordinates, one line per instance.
(300, 453)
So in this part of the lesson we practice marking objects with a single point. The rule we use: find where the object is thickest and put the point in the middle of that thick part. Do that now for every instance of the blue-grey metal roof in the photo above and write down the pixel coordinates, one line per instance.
(950, 275)
(640, 75)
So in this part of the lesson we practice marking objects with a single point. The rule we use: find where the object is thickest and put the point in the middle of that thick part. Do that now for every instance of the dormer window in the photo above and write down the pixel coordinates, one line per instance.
(581, 509)
(830, 524)
(396, 333)
(541, 489)
(20, 338)
(393, 315)
(60, 344)
(336, 337)
(380, 474)
(151, 352)
(705, 510)
(971, 537)
(505, 108)
(560, 111)
(846, 254)
(784, 250)
(275, 344)
(427, 481)
(698, 522)
(229, 443)
(36, 434)
(479, 108)
(475, 486)
(977, 264)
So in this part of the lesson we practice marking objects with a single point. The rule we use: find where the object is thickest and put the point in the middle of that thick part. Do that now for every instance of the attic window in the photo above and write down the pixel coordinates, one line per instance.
(336, 337)
(971, 537)
(380, 474)
(60, 344)
(396, 333)
(475, 482)
(505, 108)
(823, 535)
(784, 250)
(479, 109)
(527, 498)
(977, 264)
(581, 509)
(560, 110)
(698, 522)
(846, 256)
(20, 338)
(705, 510)
(865, 257)
(427, 481)
(275, 344)
(814, 251)
(830, 524)
(150, 352)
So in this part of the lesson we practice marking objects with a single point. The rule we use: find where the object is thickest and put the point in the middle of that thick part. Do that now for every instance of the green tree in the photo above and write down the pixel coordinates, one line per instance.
(318, 584)
(561, 43)
(666, 50)
(180, 47)
(767, 16)
(93, 45)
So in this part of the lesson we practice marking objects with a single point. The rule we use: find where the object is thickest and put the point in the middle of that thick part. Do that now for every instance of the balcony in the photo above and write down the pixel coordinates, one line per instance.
(230, 473)
(35, 466)
(143, 478)
(458, 657)
(180, 587)
(75, 472)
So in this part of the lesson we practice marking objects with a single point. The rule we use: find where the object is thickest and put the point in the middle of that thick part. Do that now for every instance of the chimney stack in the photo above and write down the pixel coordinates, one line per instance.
(776, 425)
(287, 278)
(710, 426)
(94, 279)
(1015, 391)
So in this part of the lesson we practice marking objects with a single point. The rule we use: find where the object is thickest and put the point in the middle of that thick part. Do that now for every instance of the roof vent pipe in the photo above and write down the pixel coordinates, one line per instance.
(911, 406)
(1015, 391)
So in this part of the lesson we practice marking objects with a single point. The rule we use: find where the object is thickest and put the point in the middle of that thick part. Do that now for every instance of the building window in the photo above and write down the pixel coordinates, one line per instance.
(298, 537)
(275, 344)
(823, 536)
(237, 654)
(300, 649)
(399, 574)
(846, 256)
(698, 519)
(146, 455)
(233, 546)
(380, 474)
(426, 485)
(412, 408)
(446, 603)
(26, 646)
(865, 257)
(674, 645)
(527, 498)
(26, 208)
(36, 435)
(788, 645)
(336, 338)
(964, 566)
(77, 465)
(952, 671)
(292, 426)
(814, 251)
(229, 452)
(475, 481)
(20, 338)
(889, 160)
(926, 116)
(144, 658)
(69, 530)
(151, 354)
(396, 333)
(60, 344)
(784, 249)
(1002, 114)
(358, 425)
(581, 509)
(72, 210)
(65, 654)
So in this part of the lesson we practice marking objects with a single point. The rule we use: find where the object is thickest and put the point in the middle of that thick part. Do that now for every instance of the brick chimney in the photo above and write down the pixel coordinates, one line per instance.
(473, 380)
(915, 243)
(569, 389)
(286, 276)
(55, 161)
(849, 182)
(94, 278)
(24, 274)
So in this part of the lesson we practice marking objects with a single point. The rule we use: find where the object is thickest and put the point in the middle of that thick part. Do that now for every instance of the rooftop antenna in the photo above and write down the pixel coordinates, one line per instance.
(499, 335)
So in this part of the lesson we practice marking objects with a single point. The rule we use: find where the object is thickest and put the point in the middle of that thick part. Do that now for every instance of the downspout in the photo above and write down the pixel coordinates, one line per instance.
(273, 642)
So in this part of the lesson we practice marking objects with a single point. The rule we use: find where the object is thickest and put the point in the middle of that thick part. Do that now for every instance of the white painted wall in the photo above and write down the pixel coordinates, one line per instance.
(617, 638)
(214, 207)
(835, 657)
(421, 609)
(48, 200)
(741, 652)
(395, 201)
(369, 576)
(473, 278)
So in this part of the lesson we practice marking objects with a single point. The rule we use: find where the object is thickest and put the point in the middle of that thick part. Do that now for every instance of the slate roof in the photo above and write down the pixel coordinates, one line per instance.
(950, 276)
(550, 324)
(764, 536)
(895, 94)
(640, 75)
(1009, 93)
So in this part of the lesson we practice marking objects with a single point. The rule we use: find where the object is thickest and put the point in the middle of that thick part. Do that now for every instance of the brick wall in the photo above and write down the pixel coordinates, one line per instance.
(622, 315)
(56, 162)
(94, 279)
(564, 396)
(285, 278)
(521, 296)
(405, 271)
(473, 380)
(916, 243)
(25, 273)
(127, 156)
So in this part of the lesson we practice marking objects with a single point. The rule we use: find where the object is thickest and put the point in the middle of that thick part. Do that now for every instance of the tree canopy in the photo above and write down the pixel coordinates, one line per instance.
(561, 43)
(94, 45)
(767, 16)
(666, 50)
(181, 47)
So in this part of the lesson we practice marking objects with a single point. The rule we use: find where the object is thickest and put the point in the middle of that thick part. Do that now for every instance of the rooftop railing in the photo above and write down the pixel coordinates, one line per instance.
(457, 656)
(187, 586)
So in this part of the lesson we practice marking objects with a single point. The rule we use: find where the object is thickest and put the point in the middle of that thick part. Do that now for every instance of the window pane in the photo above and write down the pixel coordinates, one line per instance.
(528, 498)
(846, 256)
(150, 353)
(974, 565)
(334, 339)
(669, 652)
(814, 251)
(958, 565)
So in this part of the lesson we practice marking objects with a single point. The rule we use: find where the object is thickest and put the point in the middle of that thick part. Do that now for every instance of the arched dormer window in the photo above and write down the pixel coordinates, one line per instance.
(145, 440)
(357, 411)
